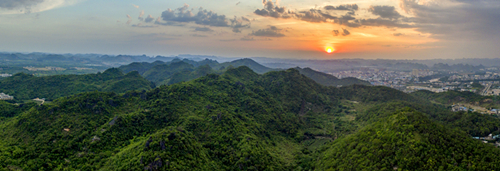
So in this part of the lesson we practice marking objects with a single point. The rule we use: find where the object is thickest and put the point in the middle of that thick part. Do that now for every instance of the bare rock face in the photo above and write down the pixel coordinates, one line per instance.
(148, 142)
(96, 138)
(155, 165)
(162, 145)
(113, 121)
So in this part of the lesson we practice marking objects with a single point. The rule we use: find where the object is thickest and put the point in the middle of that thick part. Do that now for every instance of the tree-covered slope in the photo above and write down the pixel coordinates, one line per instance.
(24, 86)
(408, 140)
(224, 122)
(474, 124)
(9, 110)
(177, 70)
(162, 73)
(140, 67)
(379, 102)
(256, 67)
(454, 97)
(238, 120)
(330, 80)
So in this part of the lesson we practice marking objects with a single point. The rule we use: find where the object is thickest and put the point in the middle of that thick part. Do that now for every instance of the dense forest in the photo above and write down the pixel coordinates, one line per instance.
(453, 97)
(408, 140)
(242, 120)
(177, 70)
(25, 86)
(330, 80)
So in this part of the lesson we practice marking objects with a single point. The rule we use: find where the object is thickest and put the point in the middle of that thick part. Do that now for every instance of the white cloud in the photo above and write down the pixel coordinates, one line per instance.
(32, 6)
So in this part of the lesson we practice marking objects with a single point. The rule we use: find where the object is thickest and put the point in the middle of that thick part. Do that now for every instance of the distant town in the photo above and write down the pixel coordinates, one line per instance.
(485, 83)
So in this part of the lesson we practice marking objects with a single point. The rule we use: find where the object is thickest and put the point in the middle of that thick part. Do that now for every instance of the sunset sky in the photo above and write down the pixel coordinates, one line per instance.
(392, 29)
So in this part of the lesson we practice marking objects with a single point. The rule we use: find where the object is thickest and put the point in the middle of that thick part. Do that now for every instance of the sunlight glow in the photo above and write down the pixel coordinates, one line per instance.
(329, 49)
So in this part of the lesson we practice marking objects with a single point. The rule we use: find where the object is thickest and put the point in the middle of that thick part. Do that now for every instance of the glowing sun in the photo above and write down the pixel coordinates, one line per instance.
(329, 49)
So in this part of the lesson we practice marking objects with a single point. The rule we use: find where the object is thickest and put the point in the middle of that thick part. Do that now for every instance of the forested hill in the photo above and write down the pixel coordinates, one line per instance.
(166, 73)
(240, 120)
(177, 70)
(24, 86)
(455, 97)
(408, 140)
(330, 80)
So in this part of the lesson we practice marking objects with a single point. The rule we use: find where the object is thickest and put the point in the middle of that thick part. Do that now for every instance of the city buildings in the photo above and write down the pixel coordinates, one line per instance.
(419, 79)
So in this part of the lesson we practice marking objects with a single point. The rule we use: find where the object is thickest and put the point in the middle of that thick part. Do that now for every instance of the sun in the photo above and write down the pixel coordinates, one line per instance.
(329, 49)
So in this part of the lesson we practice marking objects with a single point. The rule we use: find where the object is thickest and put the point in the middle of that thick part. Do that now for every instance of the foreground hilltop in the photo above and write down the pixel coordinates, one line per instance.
(408, 140)
(239, 120)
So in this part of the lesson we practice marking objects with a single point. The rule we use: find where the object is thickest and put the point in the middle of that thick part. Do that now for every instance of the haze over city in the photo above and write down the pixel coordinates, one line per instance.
(391, 29)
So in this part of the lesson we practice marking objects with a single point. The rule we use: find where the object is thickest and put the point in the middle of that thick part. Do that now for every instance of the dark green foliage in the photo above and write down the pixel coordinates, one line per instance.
(256, 67)
(10, 110)
(167, 149)
(188, 75)
(140, 67)
(454, 97)
(408, 140)
(238, 120)
(232, 121)
(185, 70)
(376, 94)
(160, 74)
(330, 80)
(473, 123)
(24, 86)
(449, 97)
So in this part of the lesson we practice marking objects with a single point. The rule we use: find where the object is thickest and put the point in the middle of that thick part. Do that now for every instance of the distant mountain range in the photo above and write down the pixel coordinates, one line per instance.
(96, 60)
(166, 73)
(138, 76)
(72, 60)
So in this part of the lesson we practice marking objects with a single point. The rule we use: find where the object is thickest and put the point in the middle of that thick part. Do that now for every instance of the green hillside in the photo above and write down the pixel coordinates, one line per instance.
(24, 86)
(177, 70)
(451, 97)
(160, 74)
(238, 120)
(408, 140)
(11, 110)
(330, 80)
(256, 67)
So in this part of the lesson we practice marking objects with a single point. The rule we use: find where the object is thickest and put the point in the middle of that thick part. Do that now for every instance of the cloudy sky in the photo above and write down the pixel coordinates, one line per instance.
(393, 29)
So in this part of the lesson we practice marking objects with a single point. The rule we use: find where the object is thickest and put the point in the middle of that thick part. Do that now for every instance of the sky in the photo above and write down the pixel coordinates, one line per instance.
(369, 29)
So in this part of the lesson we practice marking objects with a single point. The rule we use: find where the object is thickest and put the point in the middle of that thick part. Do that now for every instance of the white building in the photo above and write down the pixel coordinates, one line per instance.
(5, 75)
(6, 97)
